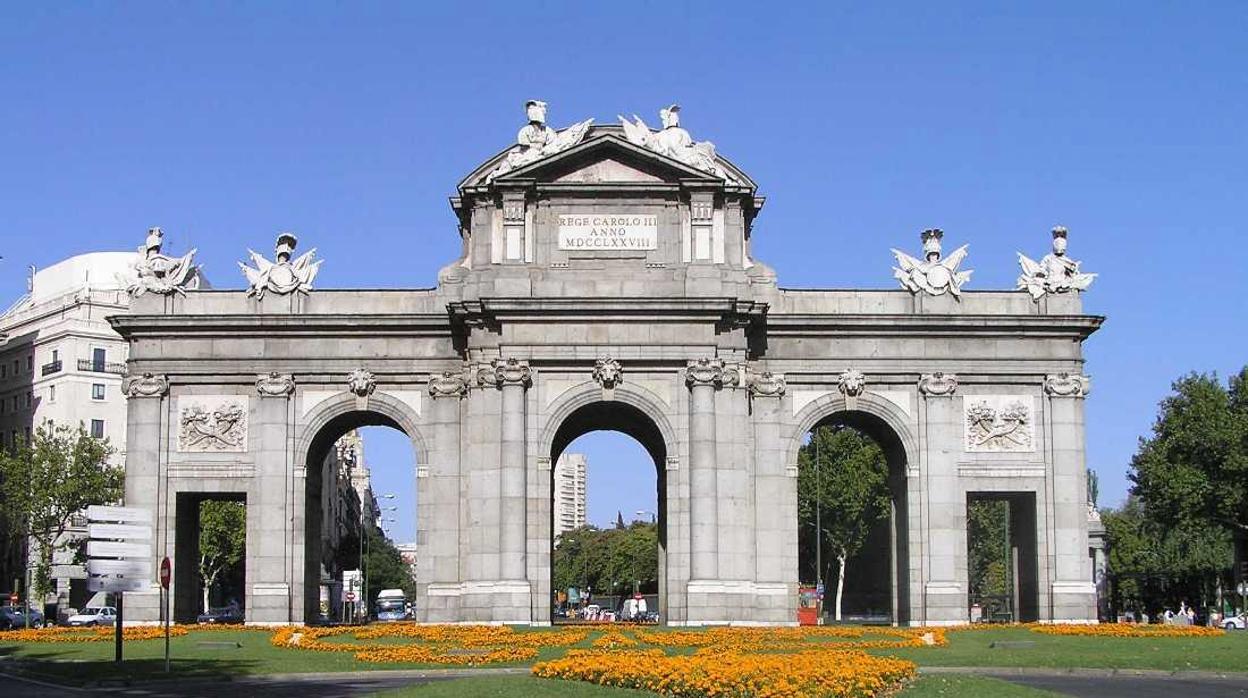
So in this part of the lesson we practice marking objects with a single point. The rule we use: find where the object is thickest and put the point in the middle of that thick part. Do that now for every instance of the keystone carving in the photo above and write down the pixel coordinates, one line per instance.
(852, 383)
(361, 382)
(146, 385)
(938, 384)
(1067, 385)
(766, 384)
(274, 384)
(705, 372)
(447, 384)
(512, 372)
(608, 373)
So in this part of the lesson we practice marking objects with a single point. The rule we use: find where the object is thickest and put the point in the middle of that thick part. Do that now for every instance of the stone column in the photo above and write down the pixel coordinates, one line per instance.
(703, 377)
(276, 554)
(775, 504)
(146, 439)
(438, 516)
(1072, 592)
(514, 377)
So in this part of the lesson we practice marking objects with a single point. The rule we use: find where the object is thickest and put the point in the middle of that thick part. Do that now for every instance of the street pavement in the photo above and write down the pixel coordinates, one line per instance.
(1134, 687)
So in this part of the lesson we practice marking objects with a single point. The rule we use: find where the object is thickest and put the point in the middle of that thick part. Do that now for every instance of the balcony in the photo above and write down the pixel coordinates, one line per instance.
(102, 366)
(52, 367)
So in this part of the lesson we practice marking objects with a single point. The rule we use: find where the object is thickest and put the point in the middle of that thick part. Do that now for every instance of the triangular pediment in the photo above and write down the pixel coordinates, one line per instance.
(608, 169)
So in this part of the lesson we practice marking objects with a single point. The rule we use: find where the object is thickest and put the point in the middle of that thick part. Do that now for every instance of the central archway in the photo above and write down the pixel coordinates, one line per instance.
(631, 416)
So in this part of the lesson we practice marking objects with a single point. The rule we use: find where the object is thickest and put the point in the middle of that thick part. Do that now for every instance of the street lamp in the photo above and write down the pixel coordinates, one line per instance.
(653, 516)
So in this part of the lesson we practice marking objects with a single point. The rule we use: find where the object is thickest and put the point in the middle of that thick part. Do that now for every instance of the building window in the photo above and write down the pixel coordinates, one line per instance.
(4, 370)
(97, 428)
(27, 434)
(56, 355)
(30, 398)
(30, 363)
(17, 367)
(51, 393)
(97, 391)
(14, 403)
(99, 357)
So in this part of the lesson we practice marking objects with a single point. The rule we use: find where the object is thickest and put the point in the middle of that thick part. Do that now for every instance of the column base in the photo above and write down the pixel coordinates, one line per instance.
(740, 602)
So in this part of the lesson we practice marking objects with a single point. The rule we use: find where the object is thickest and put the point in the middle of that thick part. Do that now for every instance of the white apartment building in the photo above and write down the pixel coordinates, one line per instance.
(61, 361)
(570, 476)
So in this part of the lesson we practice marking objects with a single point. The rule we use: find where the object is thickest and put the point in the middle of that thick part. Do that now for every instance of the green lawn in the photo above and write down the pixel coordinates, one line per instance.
(973, 648)
(86, 662)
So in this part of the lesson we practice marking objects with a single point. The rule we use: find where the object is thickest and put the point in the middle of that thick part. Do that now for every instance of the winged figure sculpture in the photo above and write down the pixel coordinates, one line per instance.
(933, 275)
(282, 276)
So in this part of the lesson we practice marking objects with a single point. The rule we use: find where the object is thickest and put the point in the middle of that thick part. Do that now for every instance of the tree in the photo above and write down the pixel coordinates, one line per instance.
(849, 488)
(588, 557)
(384, 566)
(222, 540)
(47, 480)
(1194, 467)
(988, 545)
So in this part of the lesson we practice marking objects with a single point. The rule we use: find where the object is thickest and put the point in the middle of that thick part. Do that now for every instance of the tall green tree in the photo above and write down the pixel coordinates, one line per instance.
(384, 566)
(848, 485)
(60, 472)
(1194, 467)
(222, 540)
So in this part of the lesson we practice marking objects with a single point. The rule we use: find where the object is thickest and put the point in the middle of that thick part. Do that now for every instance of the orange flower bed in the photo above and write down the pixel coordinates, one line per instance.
(1128, 630)
(68, 635)
(810, 674)
(432, 644)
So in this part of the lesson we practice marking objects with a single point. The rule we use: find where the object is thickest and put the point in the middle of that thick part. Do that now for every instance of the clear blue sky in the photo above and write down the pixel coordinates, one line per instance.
(226, 122)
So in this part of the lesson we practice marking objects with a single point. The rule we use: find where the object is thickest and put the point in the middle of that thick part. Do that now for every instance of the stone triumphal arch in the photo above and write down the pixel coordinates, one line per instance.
(606, 282)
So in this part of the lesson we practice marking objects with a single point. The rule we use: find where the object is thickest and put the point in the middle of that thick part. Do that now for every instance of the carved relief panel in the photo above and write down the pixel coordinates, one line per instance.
(212, 423)
(999, 423)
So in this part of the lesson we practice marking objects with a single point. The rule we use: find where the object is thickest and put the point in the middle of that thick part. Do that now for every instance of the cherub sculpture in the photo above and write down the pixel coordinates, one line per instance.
(281, 276)
(160, 273)
(537, 140)
(674, 142)
(1055, 273)
(932, 275)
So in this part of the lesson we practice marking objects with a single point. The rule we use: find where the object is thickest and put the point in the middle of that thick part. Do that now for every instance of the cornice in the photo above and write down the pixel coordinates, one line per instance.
(875, 325)
(260, 325)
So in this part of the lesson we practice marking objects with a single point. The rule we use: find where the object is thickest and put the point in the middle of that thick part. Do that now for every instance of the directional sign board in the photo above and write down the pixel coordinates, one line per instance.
(106, 531)
(1242, 589)
(119, 515)
(108, 548)
(119, 550)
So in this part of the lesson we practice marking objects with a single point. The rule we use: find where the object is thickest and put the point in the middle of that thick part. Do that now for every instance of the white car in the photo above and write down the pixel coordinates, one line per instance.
(1234, 623)
(94, 615)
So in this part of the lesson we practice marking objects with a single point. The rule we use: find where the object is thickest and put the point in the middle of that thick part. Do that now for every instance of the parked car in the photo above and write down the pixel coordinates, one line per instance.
(1239, 622)
(12, 617)
(94, 615)
(225, 615)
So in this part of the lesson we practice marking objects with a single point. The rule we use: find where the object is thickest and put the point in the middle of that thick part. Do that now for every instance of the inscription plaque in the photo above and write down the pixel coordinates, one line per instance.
(599, 232)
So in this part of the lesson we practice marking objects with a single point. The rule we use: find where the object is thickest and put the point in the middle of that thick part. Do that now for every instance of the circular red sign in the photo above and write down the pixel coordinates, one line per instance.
(165, 572)
(350, 596)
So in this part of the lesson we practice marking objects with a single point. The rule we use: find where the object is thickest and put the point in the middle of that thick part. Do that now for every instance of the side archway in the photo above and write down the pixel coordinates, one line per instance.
(888, 426)
(329, 421)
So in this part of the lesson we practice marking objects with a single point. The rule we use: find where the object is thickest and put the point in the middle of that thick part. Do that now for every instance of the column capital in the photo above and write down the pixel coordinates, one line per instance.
(512, 372)
(938, 384)
(448, 384)
(704, 372)
(147, 385)
(1067, 385)
(274, 384)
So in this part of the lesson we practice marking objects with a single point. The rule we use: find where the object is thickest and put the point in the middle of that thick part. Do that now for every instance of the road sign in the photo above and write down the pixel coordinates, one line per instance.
(1242, 588)
(166, 570)
(116, 584)
(119, 515)
(350, 596)
(119, 531)
(123, 568)
(130, 551)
